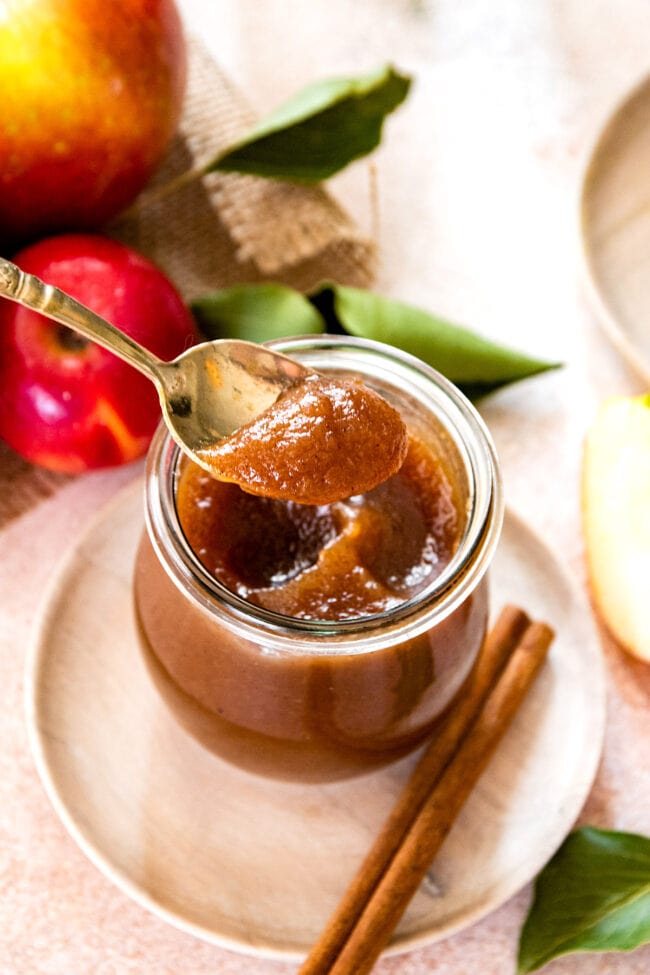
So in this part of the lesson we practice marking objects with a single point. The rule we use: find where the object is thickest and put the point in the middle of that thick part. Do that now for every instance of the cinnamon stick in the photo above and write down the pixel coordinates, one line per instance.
(413, 859)
(498, 646)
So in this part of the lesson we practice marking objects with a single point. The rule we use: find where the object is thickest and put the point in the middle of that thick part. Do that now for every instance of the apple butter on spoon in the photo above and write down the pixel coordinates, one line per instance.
(323, 440)
(245, 413)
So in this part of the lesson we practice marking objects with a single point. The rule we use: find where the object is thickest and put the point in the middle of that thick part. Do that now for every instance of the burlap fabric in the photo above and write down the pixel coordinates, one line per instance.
(218, 230)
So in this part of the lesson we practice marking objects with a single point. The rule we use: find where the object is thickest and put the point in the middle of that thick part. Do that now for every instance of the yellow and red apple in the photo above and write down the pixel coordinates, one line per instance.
(65, 403)
(91, 95)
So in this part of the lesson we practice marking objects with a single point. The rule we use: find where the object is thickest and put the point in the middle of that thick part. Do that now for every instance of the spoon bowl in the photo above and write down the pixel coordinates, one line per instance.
(214, 388)
(206, 393)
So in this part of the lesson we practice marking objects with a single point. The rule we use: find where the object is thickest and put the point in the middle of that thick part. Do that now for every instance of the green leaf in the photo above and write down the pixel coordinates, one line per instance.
(320, 130)
(474, 363)
(256, 312)
(594, 895)
(259, 312)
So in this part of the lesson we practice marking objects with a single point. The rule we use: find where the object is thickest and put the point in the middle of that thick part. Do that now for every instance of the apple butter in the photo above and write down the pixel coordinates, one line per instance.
(323, 440)
(315, 641)
(358, 556)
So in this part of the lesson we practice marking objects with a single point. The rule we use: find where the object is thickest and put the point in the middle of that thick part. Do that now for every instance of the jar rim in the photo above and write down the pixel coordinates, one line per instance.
(281, 633)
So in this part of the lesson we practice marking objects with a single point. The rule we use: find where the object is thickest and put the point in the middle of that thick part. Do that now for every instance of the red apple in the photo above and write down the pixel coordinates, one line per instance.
(91, 95)
(66, 403)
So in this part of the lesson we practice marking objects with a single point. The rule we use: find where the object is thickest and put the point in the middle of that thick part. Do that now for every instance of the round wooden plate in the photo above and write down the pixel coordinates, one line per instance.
(256, 865)
(615, 226)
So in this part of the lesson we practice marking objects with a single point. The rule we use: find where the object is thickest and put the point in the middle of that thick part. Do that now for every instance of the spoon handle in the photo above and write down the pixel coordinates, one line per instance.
(30, 291)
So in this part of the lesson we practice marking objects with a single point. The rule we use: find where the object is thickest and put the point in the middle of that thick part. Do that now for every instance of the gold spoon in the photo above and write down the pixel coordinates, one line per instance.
(206, 393)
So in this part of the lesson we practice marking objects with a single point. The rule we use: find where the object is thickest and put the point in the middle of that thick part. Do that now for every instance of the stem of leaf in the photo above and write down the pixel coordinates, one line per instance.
(162, 192)
(373, 191)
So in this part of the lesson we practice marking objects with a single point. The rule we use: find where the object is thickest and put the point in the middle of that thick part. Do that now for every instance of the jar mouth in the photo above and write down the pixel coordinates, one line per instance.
(387, 366)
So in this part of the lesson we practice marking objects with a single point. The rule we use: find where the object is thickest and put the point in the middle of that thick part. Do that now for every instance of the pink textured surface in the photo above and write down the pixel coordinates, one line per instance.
(478, 182)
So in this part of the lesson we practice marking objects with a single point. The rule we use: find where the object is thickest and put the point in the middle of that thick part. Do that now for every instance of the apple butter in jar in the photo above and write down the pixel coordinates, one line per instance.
(316, 641)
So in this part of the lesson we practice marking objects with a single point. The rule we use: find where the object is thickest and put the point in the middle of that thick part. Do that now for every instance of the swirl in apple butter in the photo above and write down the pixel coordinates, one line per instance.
(343, 560)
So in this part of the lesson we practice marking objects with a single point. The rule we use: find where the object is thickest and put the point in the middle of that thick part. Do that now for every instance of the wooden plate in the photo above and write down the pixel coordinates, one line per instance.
(256, 865)
(615, 225)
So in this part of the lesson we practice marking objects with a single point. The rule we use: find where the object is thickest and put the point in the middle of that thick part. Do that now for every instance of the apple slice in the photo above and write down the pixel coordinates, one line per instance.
(616, 518)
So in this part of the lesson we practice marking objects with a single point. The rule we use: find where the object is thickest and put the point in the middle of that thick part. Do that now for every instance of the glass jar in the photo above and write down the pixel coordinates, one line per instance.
(317, 700)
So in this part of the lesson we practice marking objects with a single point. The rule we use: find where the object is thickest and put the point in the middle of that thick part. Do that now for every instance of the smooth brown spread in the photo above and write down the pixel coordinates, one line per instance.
(323, 440)
(342, 560)
(326, 713)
